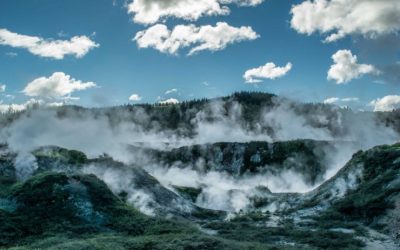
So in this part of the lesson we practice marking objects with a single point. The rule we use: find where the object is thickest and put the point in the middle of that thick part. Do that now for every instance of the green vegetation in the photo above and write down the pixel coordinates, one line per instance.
(53, 207)
(377, 189)
(60, 155)
(54, 203)
(146, 242)
(7, 173)
(188, 192)
(245, 230)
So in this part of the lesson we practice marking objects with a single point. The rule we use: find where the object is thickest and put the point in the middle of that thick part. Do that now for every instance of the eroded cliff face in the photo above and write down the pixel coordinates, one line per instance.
(308, 158)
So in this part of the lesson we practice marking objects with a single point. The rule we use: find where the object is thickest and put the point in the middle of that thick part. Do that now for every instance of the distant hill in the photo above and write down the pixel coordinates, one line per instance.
(252, 111)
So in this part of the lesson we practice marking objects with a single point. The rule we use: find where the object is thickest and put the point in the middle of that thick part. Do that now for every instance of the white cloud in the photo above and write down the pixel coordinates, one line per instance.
(207, 37)
(55, 104)
(267, 71)
(387, 103)
(11, 54)
(339, 18)
(350, 99)
(4, 108)
(243, 2)
(15, 107)
(77, 46)
(169, 101)
(135, 98)
(346, 67)
(2, 88)
(333, 100)
(170, 91)
(152, 11)
(57, 86)
(11, 107)
(19, 107)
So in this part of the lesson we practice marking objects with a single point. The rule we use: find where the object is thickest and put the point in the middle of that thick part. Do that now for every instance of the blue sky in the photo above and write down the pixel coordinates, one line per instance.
(119, 68)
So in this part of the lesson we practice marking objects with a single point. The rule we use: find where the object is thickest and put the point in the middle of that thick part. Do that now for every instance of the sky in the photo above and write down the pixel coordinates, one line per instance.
(111, 52)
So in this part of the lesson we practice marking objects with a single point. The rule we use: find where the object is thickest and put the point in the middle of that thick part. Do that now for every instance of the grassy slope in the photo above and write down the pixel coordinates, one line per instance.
(56, 211)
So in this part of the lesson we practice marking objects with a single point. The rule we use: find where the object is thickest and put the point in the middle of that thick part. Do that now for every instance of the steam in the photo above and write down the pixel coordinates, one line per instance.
(224, 126)
(120, 180)
(288, 125)
(25, 165)
(222, 191)
(98, 131)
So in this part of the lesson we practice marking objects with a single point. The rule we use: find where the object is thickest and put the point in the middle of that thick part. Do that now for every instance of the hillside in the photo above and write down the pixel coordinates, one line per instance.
(247, 171)
(82, 208)
(247, 110)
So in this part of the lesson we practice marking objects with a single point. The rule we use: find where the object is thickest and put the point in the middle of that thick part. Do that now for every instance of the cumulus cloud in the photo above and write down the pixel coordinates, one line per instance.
(347, 68)
(11, 107)
(135, 98)
(387, 103)
(169, 101)
(2, 88)
(243, 2)
(14, 107)
(57, 86)
(170, 91)
(77, 46)
(267, 71)
(339, 18)
(207, 37)
(17, 107)
(333, 100)
(152, 11)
